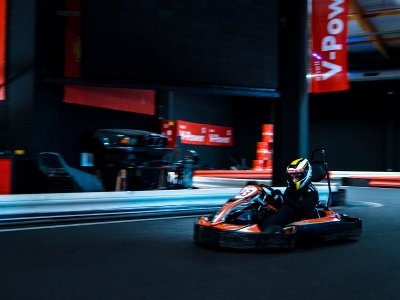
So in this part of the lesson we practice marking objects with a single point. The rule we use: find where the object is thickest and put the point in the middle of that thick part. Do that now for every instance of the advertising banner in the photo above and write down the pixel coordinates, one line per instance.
(168, 128)
(219, 136)
(192, 133)
(204, 134)
(131, 100)
(329, 71)
(3, 31)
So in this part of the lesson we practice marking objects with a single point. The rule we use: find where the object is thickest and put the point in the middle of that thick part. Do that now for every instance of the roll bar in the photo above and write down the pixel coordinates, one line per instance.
(322, 162)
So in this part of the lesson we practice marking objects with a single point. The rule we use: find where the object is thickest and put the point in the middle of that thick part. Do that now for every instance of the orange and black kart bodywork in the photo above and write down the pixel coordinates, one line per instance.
(235, 225)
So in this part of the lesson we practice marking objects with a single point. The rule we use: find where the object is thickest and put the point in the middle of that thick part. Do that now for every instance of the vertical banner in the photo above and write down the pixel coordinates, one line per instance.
(329, 71)
(72, 61)
(5, 175)
(168, 128)
(3, 32)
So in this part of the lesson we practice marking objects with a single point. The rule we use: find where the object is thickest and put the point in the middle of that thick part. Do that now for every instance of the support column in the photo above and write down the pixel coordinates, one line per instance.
(291, 135)
(165, 105)
(33, 45)
(390, 136)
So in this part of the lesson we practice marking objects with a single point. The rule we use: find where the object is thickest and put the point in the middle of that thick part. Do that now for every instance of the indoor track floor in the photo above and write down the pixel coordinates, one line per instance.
(157, 259)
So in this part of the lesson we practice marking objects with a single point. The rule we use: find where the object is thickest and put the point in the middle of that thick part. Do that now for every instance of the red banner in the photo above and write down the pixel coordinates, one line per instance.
(329, 71)
(131, 100)
(5, 176)
(219, 136)
(3, 31)
(72, 61)
(204, 134)
(192, 133)
(168, 128)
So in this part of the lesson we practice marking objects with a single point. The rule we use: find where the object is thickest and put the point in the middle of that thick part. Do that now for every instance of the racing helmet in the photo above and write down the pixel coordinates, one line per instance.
(299, 173)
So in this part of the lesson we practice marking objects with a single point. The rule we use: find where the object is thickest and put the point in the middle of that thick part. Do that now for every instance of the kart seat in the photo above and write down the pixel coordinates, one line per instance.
(319, 170)
(318, 212)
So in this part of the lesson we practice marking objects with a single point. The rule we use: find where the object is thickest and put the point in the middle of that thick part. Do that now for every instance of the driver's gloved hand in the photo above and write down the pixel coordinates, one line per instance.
(268, 190)
(278, 194)
(274, 197)
(272, 193)
(277, 200)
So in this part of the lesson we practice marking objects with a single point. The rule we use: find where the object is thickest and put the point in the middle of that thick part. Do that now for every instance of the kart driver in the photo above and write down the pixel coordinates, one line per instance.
(298, 200)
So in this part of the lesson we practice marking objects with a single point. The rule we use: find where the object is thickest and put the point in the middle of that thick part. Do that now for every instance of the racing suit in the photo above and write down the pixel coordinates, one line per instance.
(292, 206)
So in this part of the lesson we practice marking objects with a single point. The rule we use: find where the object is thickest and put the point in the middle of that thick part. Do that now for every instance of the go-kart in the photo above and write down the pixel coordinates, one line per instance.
(236, 224)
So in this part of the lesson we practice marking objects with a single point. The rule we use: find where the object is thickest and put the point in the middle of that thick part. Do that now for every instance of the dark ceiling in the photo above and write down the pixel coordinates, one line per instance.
(374, 39)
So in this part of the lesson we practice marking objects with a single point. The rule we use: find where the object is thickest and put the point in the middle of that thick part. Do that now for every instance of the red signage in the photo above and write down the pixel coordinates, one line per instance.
(329, 71)
(168, 128)
(219, 136)
(192, 133)
(3, 15)
(72, 61)
(5, 176)
(204, 134)
(131, 100)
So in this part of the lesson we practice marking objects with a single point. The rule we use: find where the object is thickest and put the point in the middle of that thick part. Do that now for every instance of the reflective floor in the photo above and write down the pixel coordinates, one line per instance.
(157, 259)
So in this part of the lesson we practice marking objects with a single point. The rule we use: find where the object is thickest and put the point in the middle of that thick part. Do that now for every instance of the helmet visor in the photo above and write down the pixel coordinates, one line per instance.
(296, 175)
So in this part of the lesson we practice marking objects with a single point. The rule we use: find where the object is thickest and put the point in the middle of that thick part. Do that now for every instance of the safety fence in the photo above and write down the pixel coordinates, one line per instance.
(367, 178)
(56, 208)
(373, 181)
(349, 178)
